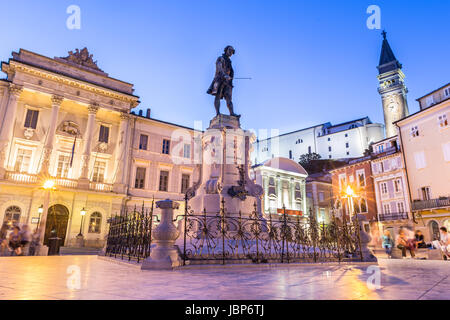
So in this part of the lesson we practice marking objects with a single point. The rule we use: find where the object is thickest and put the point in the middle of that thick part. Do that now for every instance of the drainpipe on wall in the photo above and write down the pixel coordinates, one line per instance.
(406, 172)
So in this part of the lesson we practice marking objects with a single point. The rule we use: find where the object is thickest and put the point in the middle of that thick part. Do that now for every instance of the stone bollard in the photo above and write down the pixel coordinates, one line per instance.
(165, 255)
(367, 254)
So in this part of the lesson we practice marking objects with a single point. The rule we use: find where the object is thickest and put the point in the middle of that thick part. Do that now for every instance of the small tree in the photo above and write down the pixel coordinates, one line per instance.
(306, 160)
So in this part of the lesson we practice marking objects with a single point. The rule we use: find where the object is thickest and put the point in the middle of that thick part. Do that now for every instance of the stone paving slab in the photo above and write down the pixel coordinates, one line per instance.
(36, 278)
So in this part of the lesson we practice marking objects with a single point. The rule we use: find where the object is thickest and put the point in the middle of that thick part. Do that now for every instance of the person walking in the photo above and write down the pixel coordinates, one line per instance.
(34, 245)
(25, 237)
(4, 247)
(15, 241)
(387, 243)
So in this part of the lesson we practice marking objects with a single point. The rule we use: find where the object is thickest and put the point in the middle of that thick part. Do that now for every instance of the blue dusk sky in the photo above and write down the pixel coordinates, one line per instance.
(310, 61)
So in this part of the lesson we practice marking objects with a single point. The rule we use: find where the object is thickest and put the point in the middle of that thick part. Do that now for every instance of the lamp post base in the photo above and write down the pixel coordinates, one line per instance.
(79, 241)
(42, 250)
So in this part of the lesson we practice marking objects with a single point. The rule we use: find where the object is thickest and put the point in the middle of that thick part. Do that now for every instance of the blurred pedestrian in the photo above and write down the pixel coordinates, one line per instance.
(25, 237)
(404, 244)
(4, 247)
(444, 243)
(15, 241)
(387, 243)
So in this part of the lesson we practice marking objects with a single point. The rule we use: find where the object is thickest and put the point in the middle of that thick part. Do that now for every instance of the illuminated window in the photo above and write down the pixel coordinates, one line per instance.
(63, 166)
(12, 215)
(95, 222)
(23, 160)
(99, 171)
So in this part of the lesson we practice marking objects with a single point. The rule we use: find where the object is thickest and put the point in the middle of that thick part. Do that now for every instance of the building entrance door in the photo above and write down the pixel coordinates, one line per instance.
(57, 219)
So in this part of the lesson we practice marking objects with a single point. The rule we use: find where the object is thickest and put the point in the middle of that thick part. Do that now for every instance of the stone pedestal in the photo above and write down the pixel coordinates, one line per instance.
(367, 254)
(42, 251)
(165, 255)
(226, 150)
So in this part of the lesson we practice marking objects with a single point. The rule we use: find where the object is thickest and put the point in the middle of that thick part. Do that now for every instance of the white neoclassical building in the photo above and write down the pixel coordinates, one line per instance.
(345, 140)
(283, 182)
(64, 120)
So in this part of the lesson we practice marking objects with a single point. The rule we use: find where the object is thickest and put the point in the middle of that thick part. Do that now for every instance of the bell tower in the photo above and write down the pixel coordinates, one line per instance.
(391, 88)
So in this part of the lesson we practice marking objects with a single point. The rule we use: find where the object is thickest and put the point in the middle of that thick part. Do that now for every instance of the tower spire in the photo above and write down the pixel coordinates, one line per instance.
(388, 62)
(392, 88)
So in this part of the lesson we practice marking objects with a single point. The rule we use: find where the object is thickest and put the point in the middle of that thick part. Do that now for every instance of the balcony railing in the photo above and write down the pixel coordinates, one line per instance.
(393, 216)
(21, 177)
(431, 204)
(32, 179)
(97, 186)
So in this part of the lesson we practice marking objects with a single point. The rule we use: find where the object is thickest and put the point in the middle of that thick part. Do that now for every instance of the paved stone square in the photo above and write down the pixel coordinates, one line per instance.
(46, 278)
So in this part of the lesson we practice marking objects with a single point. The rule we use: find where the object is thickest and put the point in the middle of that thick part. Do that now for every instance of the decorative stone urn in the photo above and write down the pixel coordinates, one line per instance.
(367, 254)
(165, 255)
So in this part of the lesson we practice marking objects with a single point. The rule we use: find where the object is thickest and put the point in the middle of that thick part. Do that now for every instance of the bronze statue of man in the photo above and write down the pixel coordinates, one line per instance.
(222, 85)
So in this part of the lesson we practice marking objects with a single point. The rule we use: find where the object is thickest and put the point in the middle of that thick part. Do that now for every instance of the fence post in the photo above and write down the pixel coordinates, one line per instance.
(165, 255)
(222, 217)
(363, 239)
(185, 227)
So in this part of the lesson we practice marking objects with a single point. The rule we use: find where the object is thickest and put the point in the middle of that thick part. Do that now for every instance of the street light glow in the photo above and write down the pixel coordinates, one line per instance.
(49, 184)
(349, 191)
(83, 212)
(41, 209)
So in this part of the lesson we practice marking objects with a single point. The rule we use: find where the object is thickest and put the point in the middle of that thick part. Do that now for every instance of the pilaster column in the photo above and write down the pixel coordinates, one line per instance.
(120, 157)
(279, 192)
(6, 130)
(48, 147)
(92, 110)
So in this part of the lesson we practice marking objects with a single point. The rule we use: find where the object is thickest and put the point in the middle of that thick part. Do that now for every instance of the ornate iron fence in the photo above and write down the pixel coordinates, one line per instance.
(130, 234)
(224, 238)
(241, 238)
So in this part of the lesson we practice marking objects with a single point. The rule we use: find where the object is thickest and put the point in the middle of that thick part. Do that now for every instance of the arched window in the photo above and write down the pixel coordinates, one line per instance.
(95, 222)
(434, 230)
(12, 215)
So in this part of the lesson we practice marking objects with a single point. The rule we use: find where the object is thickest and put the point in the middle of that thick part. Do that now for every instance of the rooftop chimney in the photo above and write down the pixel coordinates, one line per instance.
(140, 113)
(148, 113)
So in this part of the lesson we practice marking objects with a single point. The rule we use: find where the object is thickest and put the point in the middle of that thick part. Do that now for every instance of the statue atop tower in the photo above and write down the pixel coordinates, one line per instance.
(391, 88)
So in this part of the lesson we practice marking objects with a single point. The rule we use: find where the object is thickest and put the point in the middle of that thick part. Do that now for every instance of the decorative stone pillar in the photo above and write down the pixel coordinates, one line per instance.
(7, 127)
(48, 147)
(85, 158)
(365, 238)
(120, 158)
(165, 255)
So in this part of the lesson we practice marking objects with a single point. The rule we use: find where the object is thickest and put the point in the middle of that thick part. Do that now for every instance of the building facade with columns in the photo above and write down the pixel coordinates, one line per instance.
(283, 182)
(64, 120)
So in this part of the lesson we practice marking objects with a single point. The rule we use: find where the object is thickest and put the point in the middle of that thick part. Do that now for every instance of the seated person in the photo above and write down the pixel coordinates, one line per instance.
(420, 241)
(404, 244)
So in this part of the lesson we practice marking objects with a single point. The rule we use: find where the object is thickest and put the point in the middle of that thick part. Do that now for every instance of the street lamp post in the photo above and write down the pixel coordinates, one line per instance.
(350, 194)
(48, 186)
(82, 213)
(80, 238)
